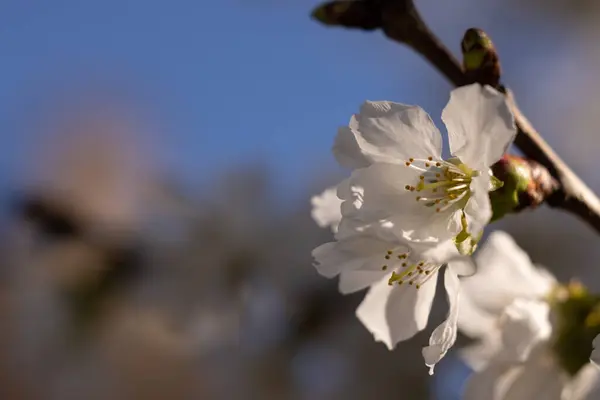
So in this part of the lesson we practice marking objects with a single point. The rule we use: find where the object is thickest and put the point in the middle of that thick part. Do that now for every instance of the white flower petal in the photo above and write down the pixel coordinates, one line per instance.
(330, 260)
(595, 357)
(382, 194)
(477, 356)
(504, 272)
(511, 337)
(347, 151)
(396, 313)
(444, 336)
(508, 338)
(379, 188)
(478, 210)
(382, 230)
(490, 383)
(436, 251)
(585, 385)
(351, 196)
(480, 125)
(326, 209)
(524, 324)
(363, 251)
(539, 378)
(353, 281)
(462, 266)
(474, 321)
(388, 132)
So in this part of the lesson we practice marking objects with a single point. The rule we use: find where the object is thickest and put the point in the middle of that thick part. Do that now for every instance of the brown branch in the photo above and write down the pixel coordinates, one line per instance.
(401, 22)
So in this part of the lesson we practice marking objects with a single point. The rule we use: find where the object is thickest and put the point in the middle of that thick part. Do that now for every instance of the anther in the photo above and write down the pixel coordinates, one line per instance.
(407, 164)
(430, 158)
(438, 209)
(389, 251)
(437, 164)
(407, 187)
(383, 268)
(404, 264)
(387, 257)
(427, 164)
(418, 198)
(411, 159)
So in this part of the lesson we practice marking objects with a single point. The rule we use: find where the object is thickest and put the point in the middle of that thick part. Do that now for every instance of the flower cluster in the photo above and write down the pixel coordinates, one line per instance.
(405, 211)
(522, 318)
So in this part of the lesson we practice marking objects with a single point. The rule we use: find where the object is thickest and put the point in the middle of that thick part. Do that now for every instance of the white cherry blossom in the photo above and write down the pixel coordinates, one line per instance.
(402, 279)
(505, 307)
(400, 175)
(505, 273)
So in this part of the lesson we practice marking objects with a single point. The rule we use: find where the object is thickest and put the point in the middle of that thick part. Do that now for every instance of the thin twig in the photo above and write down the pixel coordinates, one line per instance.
(401, 22)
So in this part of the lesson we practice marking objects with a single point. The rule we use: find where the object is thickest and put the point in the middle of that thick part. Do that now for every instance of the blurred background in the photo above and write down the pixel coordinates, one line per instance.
(156, 165)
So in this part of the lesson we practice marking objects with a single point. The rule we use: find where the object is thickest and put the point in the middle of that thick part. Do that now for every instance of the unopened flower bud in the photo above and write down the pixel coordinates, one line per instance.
(480, 60)
(526, 185)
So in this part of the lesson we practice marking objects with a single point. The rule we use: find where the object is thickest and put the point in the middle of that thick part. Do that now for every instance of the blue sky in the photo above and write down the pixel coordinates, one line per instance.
(224, 81)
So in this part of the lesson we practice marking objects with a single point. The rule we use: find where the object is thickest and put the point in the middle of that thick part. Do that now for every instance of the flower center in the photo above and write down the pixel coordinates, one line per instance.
(443, 184)
(408, 270)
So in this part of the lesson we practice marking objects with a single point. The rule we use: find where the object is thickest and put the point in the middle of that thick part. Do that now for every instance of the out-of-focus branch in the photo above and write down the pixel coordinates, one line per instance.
(122, 260)
(401, 22)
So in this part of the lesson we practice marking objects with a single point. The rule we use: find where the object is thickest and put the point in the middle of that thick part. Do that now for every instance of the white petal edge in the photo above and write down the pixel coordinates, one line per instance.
(478, 210)
(480, 125)
(524, 324)
(490, 383)
(462, 266)
(326, 209)
(444, 336)
(585, 385)
(504, 272)
(595, 356)
(384, 131)
(396, 313)
(353, 281)
(379, 192)
(540, 378)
